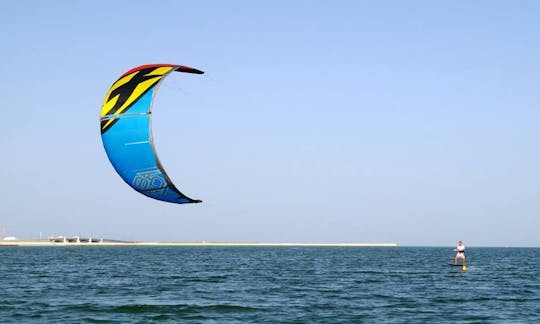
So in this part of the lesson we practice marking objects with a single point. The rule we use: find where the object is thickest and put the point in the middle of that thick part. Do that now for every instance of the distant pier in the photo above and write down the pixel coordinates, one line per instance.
(89, 241)
(74, 239)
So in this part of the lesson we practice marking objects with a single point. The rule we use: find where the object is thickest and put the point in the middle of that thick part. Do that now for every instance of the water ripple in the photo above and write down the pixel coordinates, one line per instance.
(267, 285)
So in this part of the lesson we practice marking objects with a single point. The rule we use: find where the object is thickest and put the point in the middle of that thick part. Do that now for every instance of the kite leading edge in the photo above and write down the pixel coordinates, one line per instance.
(127, 136)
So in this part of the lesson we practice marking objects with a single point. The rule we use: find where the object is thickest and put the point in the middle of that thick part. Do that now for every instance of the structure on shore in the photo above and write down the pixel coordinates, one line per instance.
(75, 239)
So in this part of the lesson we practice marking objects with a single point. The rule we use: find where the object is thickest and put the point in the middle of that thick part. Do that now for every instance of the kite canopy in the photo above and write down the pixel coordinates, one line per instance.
(127, 136)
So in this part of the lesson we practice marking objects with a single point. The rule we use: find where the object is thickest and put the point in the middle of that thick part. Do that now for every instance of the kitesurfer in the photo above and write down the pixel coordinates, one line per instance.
(460, 253)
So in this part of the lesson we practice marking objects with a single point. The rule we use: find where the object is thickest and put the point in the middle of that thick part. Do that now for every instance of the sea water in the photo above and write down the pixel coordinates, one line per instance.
(267, 284)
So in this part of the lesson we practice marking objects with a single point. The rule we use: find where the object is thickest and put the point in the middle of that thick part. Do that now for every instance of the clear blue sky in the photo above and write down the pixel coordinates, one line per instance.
(414, 122)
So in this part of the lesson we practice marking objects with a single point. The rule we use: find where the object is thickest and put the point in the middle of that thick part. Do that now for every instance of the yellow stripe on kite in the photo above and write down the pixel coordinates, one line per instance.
(123, 80)
(107, 124)
(108, 105)
(161, 70)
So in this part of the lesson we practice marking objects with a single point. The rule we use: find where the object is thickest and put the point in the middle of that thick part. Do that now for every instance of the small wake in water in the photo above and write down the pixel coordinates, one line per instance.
(153, 312)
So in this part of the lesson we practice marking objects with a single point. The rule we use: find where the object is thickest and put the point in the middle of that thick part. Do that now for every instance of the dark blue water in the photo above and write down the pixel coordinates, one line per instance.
(267, 284)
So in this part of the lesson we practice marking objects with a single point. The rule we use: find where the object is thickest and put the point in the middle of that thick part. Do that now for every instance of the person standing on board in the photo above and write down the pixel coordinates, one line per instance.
(460, 253)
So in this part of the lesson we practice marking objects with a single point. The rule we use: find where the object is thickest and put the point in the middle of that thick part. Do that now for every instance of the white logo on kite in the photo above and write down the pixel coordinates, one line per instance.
(150, 180)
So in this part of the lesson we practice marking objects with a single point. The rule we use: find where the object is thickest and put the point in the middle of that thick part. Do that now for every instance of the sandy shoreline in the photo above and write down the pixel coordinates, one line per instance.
(48, 243)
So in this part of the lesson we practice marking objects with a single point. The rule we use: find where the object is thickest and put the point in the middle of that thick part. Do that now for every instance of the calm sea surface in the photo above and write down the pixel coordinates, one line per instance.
(267, 284)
